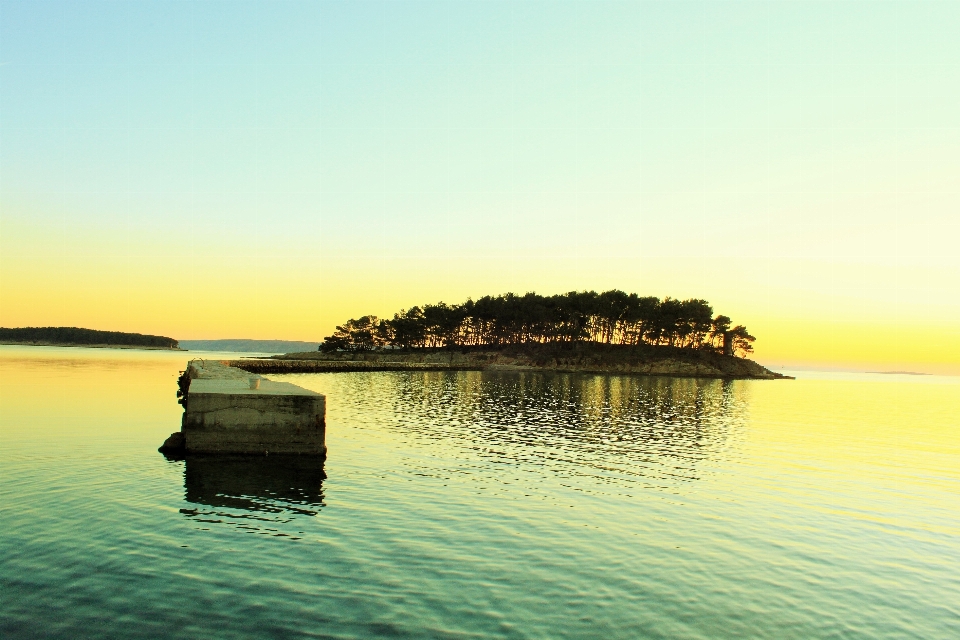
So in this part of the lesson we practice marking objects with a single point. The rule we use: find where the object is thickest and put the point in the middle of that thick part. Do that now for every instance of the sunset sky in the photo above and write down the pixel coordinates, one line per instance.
(270, 169)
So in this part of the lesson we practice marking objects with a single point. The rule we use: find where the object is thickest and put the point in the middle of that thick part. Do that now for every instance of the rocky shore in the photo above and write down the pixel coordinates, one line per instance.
(598, 359)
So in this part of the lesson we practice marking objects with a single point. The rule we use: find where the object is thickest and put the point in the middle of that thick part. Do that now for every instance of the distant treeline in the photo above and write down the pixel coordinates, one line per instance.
(611, 317)
(77, 336)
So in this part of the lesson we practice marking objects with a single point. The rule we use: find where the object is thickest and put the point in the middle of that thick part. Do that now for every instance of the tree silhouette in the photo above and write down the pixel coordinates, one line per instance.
(742, 340)
(610, 317)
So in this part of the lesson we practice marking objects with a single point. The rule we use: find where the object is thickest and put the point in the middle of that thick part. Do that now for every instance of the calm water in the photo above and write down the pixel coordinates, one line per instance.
(483, 505)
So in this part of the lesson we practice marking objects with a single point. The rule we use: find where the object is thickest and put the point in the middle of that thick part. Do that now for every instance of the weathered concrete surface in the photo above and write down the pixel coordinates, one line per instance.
(224, 414)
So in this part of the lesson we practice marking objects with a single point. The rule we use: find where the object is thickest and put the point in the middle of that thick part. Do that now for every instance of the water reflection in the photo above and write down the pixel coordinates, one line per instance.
(603, 430)
(252, 493)
(622, 430)
(598, 434)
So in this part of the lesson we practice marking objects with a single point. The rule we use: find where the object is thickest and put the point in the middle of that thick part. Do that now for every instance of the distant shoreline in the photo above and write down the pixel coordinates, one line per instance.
(901, 373)
(80, 337)
(248, 345)
(89, 346)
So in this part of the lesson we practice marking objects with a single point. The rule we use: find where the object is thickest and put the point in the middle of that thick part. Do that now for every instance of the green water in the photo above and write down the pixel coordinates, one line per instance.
(471, 504)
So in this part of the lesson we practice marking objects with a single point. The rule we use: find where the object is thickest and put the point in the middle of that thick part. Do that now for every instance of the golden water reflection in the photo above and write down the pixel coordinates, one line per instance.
(821, 507)
(622, 430)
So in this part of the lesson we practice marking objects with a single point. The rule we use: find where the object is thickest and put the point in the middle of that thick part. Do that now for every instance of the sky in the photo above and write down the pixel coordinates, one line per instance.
(269, 169)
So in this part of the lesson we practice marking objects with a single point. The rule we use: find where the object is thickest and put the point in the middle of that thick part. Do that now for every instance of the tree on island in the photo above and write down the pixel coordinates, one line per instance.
(741, 341)
(610, 317)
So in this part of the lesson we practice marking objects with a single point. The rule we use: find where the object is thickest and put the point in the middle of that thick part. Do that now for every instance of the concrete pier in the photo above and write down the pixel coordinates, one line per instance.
(227, 410)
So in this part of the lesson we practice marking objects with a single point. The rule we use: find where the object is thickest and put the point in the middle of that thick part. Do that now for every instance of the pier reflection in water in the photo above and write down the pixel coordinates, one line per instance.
(253, 493)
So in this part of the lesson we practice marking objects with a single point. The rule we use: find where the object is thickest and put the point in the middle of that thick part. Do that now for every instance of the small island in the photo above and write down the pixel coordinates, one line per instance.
(77, 337)
(587, 332)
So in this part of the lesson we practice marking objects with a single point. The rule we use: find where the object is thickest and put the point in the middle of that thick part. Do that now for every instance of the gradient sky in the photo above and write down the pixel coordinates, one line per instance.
(269, 169)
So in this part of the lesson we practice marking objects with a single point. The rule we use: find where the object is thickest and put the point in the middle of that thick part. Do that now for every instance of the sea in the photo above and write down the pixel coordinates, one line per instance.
(483, 505)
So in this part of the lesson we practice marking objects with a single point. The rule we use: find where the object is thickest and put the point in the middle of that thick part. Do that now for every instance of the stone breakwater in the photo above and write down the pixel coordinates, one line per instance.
(228, 410)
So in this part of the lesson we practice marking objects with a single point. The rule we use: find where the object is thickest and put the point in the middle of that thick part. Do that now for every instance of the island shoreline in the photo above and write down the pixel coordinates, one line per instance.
(588, 359)
(271, 366)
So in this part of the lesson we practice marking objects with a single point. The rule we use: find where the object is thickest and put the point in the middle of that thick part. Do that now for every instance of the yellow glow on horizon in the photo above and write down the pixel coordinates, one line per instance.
(237, 299)
(929, 348)
(171, 286)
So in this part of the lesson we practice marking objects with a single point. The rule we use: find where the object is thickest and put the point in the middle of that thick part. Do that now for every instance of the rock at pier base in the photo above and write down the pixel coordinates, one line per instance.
(176, 443)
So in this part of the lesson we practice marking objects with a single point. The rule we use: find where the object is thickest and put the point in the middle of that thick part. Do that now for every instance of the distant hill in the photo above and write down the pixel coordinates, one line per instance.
(243, 345)
(77, 337)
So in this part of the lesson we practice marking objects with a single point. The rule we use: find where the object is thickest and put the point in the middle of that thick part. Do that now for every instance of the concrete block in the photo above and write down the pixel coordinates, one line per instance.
(225, 412)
